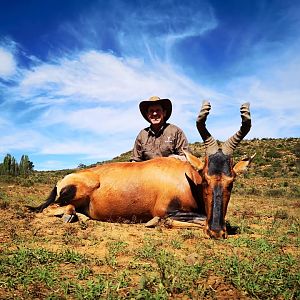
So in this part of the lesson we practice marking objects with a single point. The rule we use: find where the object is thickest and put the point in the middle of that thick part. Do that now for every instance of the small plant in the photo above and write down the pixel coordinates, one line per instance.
(4, 201)
(276, 192)
(148, 250)
(281, 214)
(71, 256)
(188, 234)
(176, 243)
(273, 153)
(114, 248)
(84, 273)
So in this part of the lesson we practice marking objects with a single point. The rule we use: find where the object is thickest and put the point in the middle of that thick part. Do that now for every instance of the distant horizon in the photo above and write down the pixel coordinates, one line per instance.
(128, 151)
(72, 73)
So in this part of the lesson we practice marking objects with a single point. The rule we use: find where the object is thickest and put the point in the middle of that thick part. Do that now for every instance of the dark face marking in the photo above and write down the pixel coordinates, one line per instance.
(219, 164)
(217, 216)
(66, 194)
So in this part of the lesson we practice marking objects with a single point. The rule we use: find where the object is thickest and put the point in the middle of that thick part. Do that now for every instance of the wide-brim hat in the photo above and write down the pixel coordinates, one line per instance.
(166, 104)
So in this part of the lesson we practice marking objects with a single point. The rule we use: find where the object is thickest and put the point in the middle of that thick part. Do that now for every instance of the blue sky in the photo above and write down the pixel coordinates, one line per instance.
(72, 73)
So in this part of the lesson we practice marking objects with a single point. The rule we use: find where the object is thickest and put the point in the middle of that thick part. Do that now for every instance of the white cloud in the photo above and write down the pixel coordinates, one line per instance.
(87, 103)
(20, 139)
(274, 96)
(7, 63)
(54, 165)
(100, 120)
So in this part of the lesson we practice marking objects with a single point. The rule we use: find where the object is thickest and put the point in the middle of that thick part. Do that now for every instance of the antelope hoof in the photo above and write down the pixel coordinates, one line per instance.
(82, 217)
(69, 218)
(153, 222)
(168, 223)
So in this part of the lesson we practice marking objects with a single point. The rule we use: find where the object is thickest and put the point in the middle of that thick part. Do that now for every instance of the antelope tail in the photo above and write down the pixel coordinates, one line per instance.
(49, 201)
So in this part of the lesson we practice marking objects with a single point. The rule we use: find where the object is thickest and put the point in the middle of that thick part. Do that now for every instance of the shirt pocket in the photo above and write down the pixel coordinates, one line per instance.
(167, 146)
(148, 151)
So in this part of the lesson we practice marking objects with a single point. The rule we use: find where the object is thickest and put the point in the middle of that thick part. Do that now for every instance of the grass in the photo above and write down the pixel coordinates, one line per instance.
(41, 258)
(253, 264)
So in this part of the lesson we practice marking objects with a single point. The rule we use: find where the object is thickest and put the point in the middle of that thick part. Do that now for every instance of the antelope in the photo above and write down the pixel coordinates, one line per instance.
(192, 193)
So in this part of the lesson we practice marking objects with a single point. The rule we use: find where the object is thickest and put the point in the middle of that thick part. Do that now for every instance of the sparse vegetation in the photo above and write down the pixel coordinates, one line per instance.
(42, 258)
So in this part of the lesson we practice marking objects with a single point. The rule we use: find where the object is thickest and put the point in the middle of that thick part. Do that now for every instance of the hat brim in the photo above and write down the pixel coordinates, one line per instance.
(165, 103)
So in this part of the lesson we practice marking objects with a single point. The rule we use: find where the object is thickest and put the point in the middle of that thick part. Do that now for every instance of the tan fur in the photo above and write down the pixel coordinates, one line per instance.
(242, 166)
(194, 161)
(141, 191)
(128, 190)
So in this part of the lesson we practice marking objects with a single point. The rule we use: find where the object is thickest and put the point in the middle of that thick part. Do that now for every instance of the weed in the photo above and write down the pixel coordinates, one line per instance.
(84, 273)
(175, 275)
(281, 214)
(279, 192)
(93, 289)
(71, 256)
(114, 248)
(265, 275)
(4, 200)
(150, 287)
(148, 250)
(176, 243)
(70, 235)
(188, 234)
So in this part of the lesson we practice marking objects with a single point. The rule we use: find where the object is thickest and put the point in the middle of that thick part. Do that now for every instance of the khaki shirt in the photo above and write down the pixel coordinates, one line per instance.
(169, 140)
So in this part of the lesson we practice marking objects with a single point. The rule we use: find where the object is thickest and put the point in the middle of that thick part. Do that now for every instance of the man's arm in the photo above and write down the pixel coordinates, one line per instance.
(181, 143)
(137, 150)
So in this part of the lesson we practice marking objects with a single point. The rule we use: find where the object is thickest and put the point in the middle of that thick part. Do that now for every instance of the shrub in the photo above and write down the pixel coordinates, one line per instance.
(273, 153)
(275, 192)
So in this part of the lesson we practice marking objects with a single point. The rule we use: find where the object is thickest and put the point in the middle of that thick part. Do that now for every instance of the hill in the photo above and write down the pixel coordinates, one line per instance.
(274, 170)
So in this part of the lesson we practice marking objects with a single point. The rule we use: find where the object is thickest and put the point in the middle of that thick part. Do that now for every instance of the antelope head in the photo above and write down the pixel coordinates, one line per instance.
(218, 171)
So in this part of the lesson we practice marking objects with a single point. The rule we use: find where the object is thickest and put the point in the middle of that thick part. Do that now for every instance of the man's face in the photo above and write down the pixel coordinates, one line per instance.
(156, 114)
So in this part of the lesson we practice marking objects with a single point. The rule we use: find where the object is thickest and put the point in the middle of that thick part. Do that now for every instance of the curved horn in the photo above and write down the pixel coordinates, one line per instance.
(210, 143)
(229, 146)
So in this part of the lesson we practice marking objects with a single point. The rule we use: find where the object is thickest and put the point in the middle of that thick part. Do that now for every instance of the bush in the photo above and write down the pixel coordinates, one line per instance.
(275, 192)
(273, 153)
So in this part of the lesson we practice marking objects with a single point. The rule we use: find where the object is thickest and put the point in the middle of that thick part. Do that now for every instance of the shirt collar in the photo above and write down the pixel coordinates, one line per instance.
(159, 131)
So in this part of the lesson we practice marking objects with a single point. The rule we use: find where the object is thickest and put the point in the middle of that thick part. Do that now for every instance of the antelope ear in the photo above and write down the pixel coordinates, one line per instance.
(242, 166)
(194, 161)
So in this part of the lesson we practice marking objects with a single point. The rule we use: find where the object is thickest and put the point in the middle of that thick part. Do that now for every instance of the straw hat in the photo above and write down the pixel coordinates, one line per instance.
(165, 103)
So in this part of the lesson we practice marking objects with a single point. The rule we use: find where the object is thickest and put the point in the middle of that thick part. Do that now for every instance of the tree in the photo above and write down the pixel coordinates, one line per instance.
(25, 166)
(7, 164)
(14, 167)
(11, 167)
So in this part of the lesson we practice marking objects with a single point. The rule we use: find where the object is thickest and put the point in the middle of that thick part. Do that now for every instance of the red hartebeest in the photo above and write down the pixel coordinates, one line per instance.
(185, 192)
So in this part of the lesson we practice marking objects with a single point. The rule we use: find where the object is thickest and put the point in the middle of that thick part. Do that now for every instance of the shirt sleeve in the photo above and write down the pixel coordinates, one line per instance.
(137, 150)
(181, 143)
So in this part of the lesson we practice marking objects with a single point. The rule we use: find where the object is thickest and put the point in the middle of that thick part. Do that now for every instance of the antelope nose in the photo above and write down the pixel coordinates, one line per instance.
(217, 234)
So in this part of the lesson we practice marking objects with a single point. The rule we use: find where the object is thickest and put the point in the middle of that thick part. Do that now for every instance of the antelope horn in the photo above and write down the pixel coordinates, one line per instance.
(230, 145)
(210, 143)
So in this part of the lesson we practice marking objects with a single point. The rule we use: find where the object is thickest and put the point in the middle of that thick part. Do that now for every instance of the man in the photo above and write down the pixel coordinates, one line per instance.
(160, 138)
